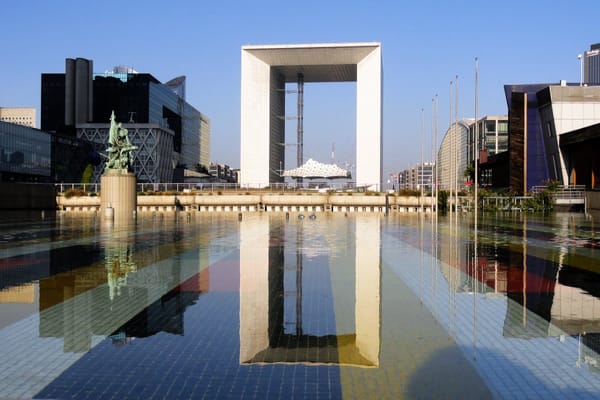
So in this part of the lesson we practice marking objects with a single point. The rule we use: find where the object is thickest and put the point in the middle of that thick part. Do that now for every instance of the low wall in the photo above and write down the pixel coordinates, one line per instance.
(592, 199)
(284, 202)
(27, 196)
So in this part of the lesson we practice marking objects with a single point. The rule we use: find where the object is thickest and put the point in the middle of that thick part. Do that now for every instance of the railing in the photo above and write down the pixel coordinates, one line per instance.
(514, 203)
(218, 186)
(563, 192)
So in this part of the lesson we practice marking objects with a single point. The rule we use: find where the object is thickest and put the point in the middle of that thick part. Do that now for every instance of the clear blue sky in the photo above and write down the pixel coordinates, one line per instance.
(425, 44)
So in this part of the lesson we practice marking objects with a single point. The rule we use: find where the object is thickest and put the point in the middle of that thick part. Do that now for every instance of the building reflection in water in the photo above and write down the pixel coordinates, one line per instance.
(284, 315)
(545, 296)
(130, 285)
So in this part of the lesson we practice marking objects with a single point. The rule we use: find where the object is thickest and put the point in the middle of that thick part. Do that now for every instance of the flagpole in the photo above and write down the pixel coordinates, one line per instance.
(457, 147)
(422, 140)
(476, 141)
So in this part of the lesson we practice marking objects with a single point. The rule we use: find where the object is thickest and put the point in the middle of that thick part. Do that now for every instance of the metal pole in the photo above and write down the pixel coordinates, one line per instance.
(450, 131)
(300, 149)
(476, 141)
(457, 147)
(433, 158)
(436, 149)
(422, 136)
(580, 57)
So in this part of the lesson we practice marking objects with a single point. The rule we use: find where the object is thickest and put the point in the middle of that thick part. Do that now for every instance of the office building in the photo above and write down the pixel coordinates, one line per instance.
(492, 132)
(591, 65)
(18, 115)
(25, 154)
(553, 131)
(171, 134)
(452, 157)
(421, 175)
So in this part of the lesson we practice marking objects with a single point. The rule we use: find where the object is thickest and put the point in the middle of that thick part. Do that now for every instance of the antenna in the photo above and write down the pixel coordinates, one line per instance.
(333, 152)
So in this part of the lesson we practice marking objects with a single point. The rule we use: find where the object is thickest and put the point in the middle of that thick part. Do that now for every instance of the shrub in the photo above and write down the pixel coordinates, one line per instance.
(74, 193)
(409, 192)
(552, 185)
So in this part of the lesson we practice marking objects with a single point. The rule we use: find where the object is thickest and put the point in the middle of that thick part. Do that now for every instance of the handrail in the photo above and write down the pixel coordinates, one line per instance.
(216, 186)
(563, 192)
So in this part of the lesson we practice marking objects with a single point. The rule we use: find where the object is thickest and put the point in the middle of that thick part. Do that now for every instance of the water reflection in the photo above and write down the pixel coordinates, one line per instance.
(423, 314)
(119, 263)
(294, 278)
(550, 284)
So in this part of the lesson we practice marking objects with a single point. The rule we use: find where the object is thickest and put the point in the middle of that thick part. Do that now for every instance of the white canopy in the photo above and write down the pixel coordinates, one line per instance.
(314, 169)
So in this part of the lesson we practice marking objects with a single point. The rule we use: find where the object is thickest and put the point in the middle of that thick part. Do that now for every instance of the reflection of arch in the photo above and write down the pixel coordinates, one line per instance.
(262, 336)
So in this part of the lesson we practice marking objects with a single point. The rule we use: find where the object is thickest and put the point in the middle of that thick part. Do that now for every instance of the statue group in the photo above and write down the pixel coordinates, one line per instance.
(120, 149)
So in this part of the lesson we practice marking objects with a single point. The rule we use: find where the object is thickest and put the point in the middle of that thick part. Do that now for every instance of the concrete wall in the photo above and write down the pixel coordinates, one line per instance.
(256, 202)
(593, 200)
(369, 129)
(27, 196)
(255, 118)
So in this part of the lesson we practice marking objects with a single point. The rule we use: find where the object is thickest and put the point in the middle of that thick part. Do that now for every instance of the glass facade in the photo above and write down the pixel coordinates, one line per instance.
(174, 113)
(537, 162)
(592, 66)
(25, 153)
(137, 98)
(492, 135)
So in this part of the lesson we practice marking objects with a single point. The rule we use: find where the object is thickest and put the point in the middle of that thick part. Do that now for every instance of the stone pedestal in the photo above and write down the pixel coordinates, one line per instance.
(118, 191)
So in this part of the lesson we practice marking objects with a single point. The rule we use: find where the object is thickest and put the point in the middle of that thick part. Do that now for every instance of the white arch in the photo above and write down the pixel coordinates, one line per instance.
(266, 69)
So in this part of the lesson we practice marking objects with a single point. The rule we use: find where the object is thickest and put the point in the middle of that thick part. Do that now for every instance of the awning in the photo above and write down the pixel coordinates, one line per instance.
(313, 169)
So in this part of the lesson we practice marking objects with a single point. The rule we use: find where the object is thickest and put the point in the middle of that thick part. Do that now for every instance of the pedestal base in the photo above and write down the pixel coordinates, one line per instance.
(118, 191)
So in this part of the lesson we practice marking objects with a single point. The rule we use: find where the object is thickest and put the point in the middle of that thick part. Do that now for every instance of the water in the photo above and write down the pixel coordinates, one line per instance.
(364, 306)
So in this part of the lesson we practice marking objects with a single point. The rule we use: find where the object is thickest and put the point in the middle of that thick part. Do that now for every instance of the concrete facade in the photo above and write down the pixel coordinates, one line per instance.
(564, 109)
(18, 115)
(266, 69)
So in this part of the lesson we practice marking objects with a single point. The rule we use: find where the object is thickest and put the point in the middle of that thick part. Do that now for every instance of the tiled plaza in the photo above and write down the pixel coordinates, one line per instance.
(367, 306)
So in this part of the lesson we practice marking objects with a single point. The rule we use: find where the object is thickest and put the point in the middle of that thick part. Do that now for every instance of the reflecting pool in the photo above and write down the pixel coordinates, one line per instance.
(324, 306)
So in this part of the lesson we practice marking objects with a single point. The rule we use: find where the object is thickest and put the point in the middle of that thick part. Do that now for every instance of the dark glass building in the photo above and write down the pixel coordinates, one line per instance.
(81, 97)
(25, 154)
(525, 111)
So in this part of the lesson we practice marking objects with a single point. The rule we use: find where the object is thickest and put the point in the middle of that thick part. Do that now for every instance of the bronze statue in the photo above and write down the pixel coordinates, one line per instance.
(120, 149)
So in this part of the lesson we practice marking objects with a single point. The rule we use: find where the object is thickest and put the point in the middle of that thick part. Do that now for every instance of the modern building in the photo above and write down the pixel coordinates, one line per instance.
(25, 154)
(18, 115)
(421, 175)
(553, 129)
(452, 157)
(565, 113)
(265, 72)
(171, 134)
(222, 173)
(492, 132)
(591, 65)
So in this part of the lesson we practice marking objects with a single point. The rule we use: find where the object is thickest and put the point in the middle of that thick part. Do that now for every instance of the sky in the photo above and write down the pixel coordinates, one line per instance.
(425, 45)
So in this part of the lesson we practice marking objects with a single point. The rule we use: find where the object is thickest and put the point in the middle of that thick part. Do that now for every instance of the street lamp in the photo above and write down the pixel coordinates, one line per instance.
(580, 57)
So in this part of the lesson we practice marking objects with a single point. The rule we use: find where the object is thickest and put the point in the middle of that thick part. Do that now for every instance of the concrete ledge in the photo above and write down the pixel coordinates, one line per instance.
(271, 202)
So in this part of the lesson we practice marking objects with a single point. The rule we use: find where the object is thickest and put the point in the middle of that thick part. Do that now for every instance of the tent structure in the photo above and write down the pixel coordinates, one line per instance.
(313, 169)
